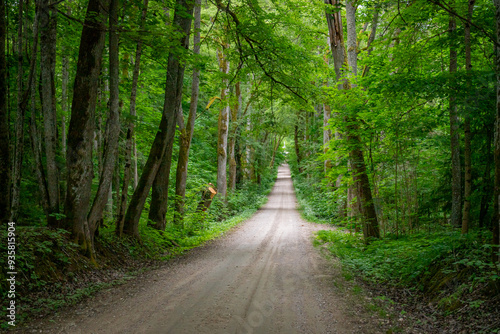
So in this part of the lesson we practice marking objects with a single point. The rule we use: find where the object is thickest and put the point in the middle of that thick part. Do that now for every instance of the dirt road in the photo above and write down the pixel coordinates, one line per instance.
(264, 277)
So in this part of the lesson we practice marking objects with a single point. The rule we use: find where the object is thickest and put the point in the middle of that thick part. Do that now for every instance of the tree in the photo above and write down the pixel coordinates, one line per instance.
(496, 200)
(165, 136)
(81, 127)
(223, 124)
(186, 130)
(48, 40)
(456, 183)
(5, 170)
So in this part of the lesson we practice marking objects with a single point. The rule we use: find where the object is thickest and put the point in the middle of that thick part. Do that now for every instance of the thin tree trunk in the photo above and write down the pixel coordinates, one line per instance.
(48, 39)
(486, 184)
(327, 113)
(19, 128)
(467, 130)
(187, 132)
(81, 127)
(5, 164)
(130, 144)
(165, 135)
(112, 125)
(232, 138)
(496, 214)
(456, 188)
(223, 129)
(297, 146)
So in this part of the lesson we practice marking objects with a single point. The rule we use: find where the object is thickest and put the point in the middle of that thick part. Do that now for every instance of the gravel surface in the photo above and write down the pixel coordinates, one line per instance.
(263, 277)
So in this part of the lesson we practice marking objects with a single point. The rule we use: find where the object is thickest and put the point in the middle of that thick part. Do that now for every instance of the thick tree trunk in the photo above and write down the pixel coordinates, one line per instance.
(48, 39)
(81, 127)
(19, 128)
(165, 136)
(129, 141)
(223, 129)
(5, 166)
(232, 138)
(467, 130)
(112, 126)
(456, 188)
(187, 132)
(370, 222)
(496, 213)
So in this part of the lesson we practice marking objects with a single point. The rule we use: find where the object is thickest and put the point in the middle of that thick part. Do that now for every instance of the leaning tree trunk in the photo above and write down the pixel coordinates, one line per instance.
(223, 129)
(81, 127)
(496, 213)
(232, 138)
(456, 188)
(467, 130)
(112, 133)
(48, 39)
(129, 145)
(165, 136)
(187, 132)
(5, 168)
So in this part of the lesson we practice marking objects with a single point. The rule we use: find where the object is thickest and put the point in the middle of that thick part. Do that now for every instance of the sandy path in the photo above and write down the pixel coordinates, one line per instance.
(264, 277)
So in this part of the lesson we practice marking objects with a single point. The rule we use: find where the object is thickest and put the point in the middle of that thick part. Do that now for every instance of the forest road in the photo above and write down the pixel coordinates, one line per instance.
(265, 276)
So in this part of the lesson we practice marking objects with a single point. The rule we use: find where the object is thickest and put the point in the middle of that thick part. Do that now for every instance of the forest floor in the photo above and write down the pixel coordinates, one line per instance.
(262, 277)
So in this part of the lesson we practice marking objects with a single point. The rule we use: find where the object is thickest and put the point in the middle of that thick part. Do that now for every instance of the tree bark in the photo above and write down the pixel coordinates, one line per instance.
(19, 128)
(223, 129)
(112, 133)
(370, 223)
(456, 188)
(467, 130)
(232, 138)
(165, 136)
(48, 39)
(187, 132)
(129, 141)
(81, 127)
(496, 212)
(5, 166)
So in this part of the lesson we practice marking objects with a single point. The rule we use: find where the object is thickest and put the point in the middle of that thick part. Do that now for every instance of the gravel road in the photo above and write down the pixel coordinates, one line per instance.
(263, 277)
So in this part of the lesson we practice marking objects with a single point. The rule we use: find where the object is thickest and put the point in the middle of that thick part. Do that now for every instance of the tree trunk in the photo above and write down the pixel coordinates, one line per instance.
(223, 129)
(467, 130)
(187, 133)
(112, 133)
(165, 135)
(48, 39)
(486, 184)
(496, 214)
(456, 188)
(129, 141)
(232, 138)
(81, 127)
(370, 223)
(297, 145)
(5, 167)
(19, 129)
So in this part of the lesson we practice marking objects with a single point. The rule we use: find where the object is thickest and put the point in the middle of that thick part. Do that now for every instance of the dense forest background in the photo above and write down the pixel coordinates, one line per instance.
(120, 119)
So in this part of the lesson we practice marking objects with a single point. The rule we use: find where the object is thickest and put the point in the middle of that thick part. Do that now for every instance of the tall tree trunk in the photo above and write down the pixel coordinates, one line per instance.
(81, 127)
(456, 188)
(467, 130)
(370, 223)
(187, 132)
(223, 128)
(19, 128)
(232, 138)
(5, 166)
(496, 213)
(112, 133)
(129, 141)
(48, 39)
(165, 136)
(486, 186)
(327, 113)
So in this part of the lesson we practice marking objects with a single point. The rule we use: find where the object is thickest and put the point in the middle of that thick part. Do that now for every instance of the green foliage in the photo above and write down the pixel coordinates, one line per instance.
(419, 261)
